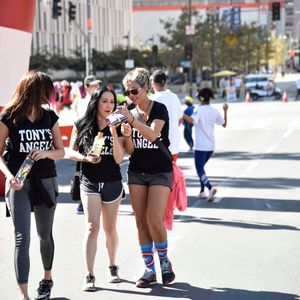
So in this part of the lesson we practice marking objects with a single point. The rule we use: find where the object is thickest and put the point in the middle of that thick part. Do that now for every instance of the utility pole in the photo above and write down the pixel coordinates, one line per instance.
(190, 41)
(88, 67)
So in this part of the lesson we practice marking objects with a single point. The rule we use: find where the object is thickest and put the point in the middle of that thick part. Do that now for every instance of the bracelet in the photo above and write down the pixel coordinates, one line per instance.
(132, 120)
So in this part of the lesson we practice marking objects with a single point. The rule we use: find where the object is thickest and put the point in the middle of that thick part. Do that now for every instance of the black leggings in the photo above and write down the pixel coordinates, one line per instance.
(20, 209)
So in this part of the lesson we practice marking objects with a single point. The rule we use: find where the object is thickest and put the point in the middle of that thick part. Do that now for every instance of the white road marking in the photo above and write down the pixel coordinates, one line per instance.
(288, 133)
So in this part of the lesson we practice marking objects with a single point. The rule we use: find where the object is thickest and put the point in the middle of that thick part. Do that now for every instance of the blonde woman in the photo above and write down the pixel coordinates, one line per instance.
(149, 173)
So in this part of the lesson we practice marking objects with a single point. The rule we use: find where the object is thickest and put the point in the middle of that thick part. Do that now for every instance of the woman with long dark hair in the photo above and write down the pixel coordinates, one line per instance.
(28, 129)
(101, 185)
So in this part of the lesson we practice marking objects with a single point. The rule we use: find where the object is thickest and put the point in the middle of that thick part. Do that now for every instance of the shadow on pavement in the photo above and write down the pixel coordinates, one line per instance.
(236, 224)
(186, 291)
(245, 182)
(240, 155)
(259, 204)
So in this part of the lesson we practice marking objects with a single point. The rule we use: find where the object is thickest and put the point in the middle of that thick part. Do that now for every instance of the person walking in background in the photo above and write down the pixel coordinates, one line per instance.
(188, 127)
(149, 173)
(31, 130)
(172, 102)
(298, 88)
(204, 118)
(101, 185)
(91, 83)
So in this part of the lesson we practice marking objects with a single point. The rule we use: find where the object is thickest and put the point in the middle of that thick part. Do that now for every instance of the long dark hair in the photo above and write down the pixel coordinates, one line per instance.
(87, 126)
(34, 89)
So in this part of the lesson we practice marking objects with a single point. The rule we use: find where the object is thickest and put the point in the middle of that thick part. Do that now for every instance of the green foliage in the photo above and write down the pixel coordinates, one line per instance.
(213, 45)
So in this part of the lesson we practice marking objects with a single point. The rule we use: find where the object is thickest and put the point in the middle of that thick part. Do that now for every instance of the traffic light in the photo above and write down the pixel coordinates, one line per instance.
(72, 11)
(188, 51)
(56, 9)
(275, 11)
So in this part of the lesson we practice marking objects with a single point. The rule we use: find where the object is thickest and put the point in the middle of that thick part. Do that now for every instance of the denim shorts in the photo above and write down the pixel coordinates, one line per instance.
(164, 179)
(109, 191)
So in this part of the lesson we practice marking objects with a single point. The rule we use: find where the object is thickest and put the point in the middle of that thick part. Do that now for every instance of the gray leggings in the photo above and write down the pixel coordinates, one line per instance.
(20, 209)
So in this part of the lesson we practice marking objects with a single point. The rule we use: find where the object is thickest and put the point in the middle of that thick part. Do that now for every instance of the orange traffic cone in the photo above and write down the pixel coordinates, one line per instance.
(247, 99)
(285, 97)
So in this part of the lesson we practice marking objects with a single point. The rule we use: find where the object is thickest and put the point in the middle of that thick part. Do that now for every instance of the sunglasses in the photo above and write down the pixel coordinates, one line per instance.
(133, 91)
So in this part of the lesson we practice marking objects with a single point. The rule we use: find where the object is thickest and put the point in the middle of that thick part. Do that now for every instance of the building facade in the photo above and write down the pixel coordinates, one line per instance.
(152, 11)
(111, 22)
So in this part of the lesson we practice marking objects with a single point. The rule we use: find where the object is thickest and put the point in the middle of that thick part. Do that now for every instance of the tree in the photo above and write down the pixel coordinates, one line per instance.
(214, 46)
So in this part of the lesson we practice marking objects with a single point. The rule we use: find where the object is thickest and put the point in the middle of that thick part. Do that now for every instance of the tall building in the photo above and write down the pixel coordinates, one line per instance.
(111, 23)
(152, 11)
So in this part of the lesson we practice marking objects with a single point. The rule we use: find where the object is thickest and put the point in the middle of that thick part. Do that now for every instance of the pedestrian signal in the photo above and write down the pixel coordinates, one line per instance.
(56, 9)
(189, 51)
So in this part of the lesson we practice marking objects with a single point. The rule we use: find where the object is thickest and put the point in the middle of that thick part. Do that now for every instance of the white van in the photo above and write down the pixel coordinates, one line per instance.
(257, 81)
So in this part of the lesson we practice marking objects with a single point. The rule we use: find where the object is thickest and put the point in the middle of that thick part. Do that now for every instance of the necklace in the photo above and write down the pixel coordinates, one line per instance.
(142, 115)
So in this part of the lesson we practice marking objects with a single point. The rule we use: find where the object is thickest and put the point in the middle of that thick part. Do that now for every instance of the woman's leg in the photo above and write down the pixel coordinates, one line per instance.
(201, 158)
(44, 222)
(139, 202)
(92, 208)
(157, 203)
(109, 215)
(20, 209)
(188, 136)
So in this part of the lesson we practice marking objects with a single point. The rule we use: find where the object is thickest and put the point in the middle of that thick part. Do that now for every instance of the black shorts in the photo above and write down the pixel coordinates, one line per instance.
(109, 191)
(164, 179)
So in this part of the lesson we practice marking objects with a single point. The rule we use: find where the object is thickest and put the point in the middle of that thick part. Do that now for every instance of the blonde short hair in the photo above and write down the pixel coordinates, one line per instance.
(138, 75)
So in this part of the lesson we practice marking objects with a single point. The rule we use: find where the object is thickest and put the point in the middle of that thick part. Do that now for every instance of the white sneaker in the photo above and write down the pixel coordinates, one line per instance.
(113, 276)
(89, 283)
(211, 194)
(202, 195)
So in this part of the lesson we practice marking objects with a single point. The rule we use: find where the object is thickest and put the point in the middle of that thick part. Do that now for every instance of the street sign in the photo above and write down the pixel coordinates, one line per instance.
(189, 29)
(129, 64)
(185, 63)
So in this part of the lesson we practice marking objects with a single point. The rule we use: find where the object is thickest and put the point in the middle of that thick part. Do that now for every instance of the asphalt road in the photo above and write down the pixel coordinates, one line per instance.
(243, 246)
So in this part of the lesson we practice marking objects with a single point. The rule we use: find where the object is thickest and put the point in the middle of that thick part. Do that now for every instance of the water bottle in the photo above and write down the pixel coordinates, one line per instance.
(97, 145)
(24, 169)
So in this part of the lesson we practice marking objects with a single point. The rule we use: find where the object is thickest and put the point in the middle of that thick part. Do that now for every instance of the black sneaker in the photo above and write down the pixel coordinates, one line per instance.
(44, 290)
(113, 274)
(167, 273)
(89, 283)
(148, 279)
(79, 209)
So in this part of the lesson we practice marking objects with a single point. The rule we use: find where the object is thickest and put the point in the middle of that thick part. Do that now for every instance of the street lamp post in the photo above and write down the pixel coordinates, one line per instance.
(88, 68)
(190, 41)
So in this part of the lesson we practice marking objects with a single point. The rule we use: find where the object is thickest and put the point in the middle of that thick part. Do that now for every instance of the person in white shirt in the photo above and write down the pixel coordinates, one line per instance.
(204, 119)
(173, 104)
(298, 88)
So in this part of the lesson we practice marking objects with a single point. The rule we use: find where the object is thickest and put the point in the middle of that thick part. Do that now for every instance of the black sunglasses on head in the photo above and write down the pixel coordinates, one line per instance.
(133, 91)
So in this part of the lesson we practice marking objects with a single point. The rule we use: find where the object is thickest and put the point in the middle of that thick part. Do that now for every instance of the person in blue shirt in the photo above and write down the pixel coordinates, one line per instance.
(187, 132)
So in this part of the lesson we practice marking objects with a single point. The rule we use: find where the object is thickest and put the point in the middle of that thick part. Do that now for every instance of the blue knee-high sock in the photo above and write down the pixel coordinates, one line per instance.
(162, 250)
(147, 252)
